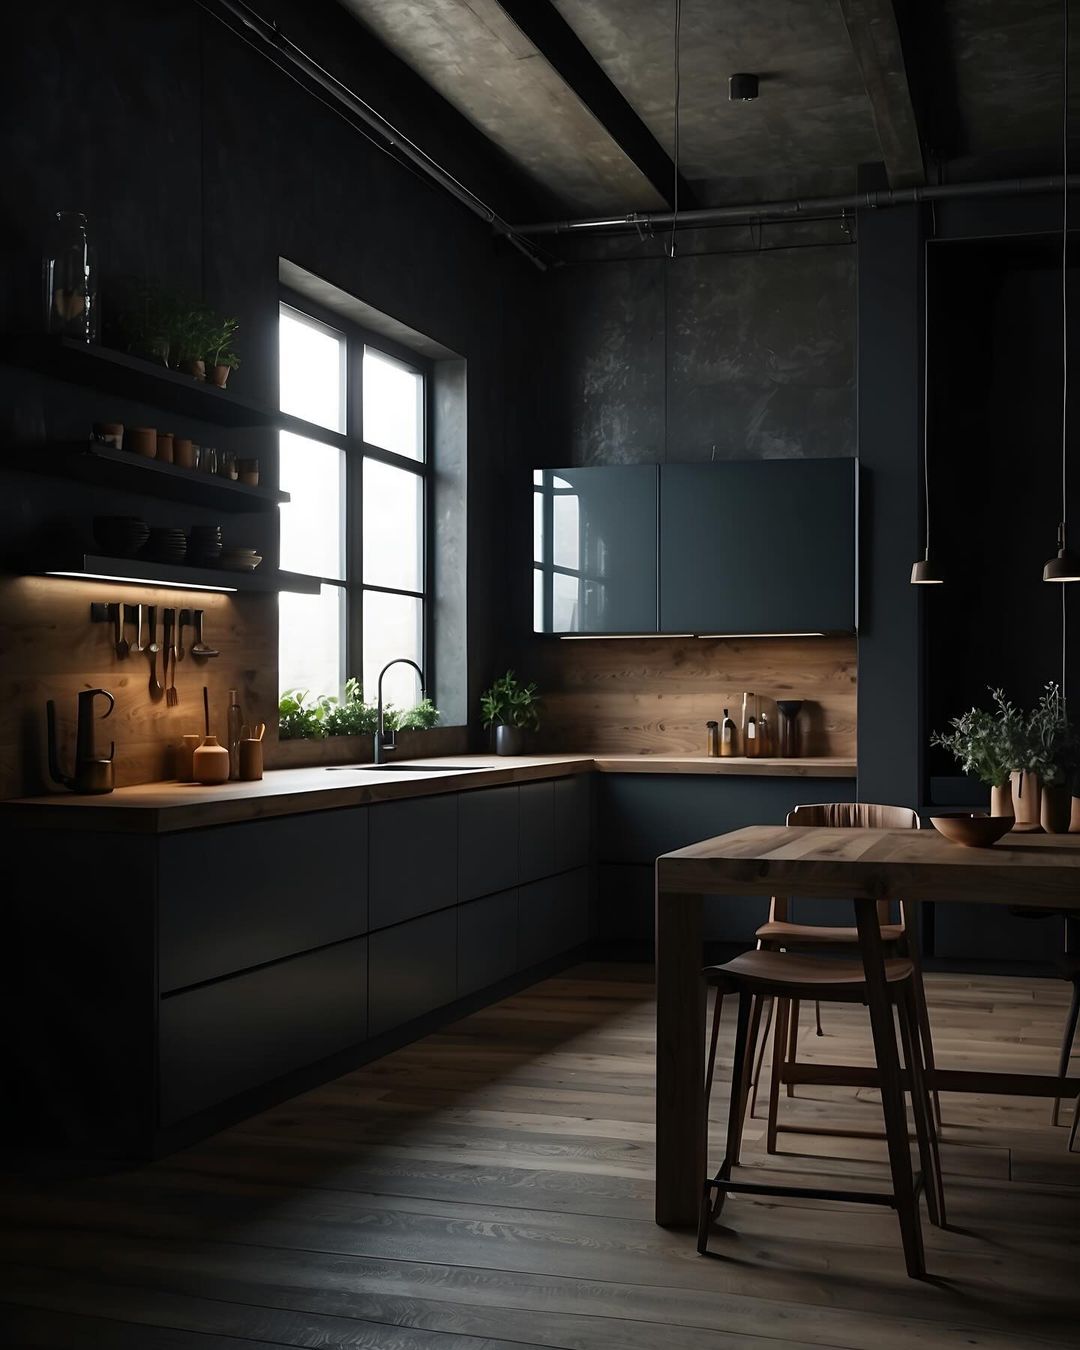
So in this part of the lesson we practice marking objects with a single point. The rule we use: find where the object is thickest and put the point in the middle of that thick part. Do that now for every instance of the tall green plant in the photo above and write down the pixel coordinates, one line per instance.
(988, 743)
(510, 703)
(1050, 747)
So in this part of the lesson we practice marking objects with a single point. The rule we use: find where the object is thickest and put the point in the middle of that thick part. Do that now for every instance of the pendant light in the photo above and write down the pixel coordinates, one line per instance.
(1065, 567)
(923, 572)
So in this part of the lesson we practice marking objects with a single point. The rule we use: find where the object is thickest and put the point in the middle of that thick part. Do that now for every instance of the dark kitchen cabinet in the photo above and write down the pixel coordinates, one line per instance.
(594, 553)
(413, 969)
(573, 801)
(487, 841)
(232, 1035)
(414, 858)
(487, 941)
(553, 916)
(227, 896)
(764, 546)
(537, 853)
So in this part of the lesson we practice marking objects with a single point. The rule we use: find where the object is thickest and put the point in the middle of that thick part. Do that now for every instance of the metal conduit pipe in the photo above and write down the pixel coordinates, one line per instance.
(804, 208)
(268, 38)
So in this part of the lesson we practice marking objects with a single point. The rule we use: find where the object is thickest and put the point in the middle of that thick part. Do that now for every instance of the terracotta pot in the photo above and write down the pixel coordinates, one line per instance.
(165, 447)
(196, 368)
(143, 440)
(1026, 793)
(1001, 800)
(184, 452)
(220, 376)
(1056, 809)
(1074, 816)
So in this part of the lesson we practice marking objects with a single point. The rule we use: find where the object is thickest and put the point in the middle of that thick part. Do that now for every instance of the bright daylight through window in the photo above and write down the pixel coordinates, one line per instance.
(356, 516)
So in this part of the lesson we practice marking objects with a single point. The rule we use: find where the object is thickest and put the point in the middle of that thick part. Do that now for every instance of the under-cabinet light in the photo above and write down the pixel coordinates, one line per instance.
(618, 637)
(141, 581)
(711, 636)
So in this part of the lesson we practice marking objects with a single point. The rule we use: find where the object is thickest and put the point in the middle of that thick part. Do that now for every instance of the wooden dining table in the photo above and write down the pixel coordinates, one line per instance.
(865, 866)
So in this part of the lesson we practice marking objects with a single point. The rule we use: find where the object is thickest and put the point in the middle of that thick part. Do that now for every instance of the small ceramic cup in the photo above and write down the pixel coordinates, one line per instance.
(143, 440)
(251, 760)
(183, 452)
(165, 446)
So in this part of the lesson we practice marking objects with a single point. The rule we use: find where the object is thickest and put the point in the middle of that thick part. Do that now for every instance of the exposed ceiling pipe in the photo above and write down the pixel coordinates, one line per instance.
(268, 39)
(802, 208)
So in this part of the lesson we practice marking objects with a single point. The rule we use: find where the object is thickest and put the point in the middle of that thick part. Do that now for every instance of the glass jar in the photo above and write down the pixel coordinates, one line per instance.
(69, 277)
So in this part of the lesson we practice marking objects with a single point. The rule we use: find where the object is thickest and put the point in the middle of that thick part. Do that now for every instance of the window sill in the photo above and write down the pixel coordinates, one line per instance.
(298, 754)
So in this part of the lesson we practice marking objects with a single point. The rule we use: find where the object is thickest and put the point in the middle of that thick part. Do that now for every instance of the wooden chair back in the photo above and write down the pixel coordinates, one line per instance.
(846, 816)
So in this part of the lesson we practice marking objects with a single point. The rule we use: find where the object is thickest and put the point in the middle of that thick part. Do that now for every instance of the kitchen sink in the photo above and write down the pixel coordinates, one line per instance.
(406, 768)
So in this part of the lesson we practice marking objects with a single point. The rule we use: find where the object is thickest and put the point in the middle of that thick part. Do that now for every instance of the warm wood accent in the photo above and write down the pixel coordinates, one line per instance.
(50, 649)
(865, 865)
(736, 764)
(654, 695)
(161, 806)
(490, 1185)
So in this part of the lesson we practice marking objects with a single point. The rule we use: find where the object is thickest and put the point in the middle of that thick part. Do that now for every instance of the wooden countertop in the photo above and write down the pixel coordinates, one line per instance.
(155, 808)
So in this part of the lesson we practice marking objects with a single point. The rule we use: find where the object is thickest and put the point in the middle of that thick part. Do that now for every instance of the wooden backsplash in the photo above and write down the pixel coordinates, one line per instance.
(50, 649)
(654, 695)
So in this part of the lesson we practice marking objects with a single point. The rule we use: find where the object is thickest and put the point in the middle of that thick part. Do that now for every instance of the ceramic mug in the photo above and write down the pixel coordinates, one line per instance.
(184, 452)
(143, 440)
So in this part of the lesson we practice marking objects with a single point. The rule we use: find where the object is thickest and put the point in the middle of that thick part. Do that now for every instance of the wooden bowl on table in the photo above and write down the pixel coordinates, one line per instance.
(973, 831)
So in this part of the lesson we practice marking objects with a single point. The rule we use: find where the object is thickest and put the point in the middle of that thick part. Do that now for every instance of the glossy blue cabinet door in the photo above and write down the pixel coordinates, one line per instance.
(594, 549)
(762, 546)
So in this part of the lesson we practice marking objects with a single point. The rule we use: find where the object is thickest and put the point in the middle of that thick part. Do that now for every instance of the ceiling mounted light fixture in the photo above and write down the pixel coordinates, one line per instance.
(923, 572)
(1064, 567)
(742, 88)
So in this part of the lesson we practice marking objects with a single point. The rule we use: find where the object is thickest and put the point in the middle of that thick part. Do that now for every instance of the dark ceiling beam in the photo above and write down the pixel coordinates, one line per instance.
(875, 39)
(547, 30)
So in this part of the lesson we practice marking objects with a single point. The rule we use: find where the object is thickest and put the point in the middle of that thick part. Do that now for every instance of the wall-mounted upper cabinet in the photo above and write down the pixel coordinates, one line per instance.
(594, 550)
(745, 546)
(762, 546)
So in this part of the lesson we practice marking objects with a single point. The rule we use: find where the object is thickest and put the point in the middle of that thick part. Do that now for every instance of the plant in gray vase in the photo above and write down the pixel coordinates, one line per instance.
(512, 708)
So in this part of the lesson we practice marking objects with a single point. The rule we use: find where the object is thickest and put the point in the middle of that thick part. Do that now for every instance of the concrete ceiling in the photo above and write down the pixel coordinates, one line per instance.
(984, 75)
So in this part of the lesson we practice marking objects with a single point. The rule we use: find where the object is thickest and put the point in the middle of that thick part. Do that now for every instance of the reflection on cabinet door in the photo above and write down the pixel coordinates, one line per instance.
(228, 896)
(594, 560)
(221, 1039)
(413, 969)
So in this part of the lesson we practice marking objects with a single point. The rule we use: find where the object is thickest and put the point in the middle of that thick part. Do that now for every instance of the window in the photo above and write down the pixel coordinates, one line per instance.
(354, 461)
(558, 578)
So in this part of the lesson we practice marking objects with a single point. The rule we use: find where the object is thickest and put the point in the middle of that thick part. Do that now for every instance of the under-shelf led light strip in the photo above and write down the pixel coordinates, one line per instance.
(142, 581)
(642, 637)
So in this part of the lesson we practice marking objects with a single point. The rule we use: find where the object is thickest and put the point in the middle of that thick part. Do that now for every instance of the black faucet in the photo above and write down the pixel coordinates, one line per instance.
(385, 740)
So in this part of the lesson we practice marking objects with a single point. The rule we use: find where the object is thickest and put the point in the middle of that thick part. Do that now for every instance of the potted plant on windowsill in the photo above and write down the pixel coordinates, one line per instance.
(220, 357)
(990, 744)
(511, 708)
(324, 729)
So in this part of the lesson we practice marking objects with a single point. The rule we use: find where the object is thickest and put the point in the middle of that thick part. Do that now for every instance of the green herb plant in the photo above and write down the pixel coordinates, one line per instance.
(301, 717)
(1050, 746)
(510, 703)
(988, 743)
(220, 337)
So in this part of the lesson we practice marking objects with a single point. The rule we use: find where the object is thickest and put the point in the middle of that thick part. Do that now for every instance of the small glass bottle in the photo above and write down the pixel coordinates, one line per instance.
(69, 279)
(235, 723)
(727, 736)
(713, 729)
(765, 736)
(751, 749)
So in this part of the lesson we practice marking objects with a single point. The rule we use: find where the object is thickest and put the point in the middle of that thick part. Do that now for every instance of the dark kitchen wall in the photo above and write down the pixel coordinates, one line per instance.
(199, 164)
(741, 347)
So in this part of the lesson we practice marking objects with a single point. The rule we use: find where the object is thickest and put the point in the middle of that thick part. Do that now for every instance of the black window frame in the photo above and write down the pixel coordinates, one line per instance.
(357, 450)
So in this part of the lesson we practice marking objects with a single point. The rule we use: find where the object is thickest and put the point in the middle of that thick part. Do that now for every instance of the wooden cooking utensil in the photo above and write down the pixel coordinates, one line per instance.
(122, 645)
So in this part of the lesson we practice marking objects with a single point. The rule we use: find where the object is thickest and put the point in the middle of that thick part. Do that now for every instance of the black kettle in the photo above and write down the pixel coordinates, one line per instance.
(93, 773)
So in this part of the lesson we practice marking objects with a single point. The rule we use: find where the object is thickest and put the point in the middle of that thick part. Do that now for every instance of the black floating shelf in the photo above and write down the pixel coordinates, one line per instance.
(135, 570)
(100, 464)
(131, 377)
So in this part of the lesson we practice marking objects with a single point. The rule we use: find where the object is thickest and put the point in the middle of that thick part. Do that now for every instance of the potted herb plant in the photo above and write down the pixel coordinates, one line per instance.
(302, 717)
(1050, 757)
(191, 333)
(512, 708)
(220, 357)
(990, 744)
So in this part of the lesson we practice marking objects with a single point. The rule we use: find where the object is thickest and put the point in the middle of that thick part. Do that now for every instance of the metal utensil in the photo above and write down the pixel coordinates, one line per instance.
(122, 645)
(156, 687)
(183, 619)
(138, 647)
(199, 647)
(172, 698)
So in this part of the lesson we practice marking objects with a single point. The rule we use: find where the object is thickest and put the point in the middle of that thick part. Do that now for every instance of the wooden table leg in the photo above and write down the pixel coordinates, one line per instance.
(680, 1068)
(892, 1087)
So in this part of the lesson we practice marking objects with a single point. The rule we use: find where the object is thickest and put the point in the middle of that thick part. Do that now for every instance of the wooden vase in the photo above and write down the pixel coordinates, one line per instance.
(1055, 809)
(1026, 794)
(1001, 800)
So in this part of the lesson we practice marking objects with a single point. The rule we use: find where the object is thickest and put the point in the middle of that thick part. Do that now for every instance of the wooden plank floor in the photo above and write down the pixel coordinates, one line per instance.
(490, 1187)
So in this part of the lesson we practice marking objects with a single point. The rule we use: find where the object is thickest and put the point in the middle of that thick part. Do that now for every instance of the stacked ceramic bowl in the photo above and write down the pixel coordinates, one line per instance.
(204, 546)
(120, 536)
(240, 559)
(166, 545)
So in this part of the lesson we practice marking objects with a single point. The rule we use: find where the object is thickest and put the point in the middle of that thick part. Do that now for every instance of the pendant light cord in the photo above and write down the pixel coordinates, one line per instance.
(926, 394)
(1064, 278)
(677, 104)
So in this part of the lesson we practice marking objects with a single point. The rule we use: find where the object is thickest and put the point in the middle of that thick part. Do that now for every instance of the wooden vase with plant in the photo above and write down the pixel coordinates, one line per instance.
(1050, 757)
(990, 745)
(510, 708)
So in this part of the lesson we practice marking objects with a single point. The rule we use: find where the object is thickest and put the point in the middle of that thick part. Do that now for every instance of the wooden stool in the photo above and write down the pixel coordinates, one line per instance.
(780, 975)
(779, 933)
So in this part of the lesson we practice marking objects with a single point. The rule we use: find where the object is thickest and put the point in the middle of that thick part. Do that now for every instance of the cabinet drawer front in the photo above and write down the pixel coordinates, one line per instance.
(414, 858)
(240, 895)
(487, 941)
(553, 916)
(487, 841)
(537, 853)
(412, 969)
(573, 821)
(236, 1034)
